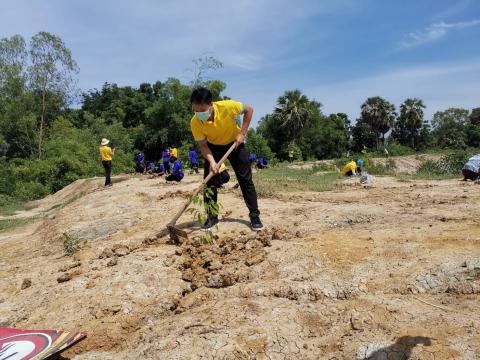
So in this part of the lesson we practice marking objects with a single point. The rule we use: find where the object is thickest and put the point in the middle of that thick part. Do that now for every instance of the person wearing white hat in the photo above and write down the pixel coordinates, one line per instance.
(107, 153)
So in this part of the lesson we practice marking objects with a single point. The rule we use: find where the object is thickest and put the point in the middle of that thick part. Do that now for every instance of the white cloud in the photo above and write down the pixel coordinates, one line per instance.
(439, 85)
(433, 32)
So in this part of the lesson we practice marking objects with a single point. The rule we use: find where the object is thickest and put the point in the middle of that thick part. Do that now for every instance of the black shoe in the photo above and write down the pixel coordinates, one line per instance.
(210, 223)
(255, 223)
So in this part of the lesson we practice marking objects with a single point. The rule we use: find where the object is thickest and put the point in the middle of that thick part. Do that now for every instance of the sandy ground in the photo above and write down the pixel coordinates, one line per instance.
(390, 272)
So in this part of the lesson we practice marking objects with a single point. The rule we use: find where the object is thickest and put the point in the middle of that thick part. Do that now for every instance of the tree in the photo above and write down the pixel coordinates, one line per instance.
(257, 144)
(51, 72)
(409, 122)
(475, 116)
(201, 66)
(449, 127)
(13, 59)
(379, 114)
(293, 112)
(363, 136)
(473, 128)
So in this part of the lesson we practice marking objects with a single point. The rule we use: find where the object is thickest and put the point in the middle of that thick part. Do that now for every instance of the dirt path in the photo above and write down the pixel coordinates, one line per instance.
(391, 272)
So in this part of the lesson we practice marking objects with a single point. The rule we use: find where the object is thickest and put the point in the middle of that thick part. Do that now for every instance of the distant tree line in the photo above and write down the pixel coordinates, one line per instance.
(46, 143)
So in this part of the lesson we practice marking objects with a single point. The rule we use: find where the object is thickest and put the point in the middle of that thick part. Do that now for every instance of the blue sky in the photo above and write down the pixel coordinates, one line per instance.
(338, 52)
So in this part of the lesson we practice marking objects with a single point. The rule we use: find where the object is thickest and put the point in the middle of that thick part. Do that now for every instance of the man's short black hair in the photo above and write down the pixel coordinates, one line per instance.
(201, 96)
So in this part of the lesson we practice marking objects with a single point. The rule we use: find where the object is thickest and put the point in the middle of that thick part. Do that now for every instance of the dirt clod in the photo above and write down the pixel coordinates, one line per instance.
(112, 261)
(64, 277)
(26, 283)
(120, 250)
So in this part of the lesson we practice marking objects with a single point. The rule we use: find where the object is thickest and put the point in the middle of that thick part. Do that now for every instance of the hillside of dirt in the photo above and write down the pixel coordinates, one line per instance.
(389, 272)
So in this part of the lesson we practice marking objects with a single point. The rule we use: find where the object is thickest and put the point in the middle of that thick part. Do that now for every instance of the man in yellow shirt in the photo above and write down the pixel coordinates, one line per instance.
(107, 153)
(215, 129)
(352, 167)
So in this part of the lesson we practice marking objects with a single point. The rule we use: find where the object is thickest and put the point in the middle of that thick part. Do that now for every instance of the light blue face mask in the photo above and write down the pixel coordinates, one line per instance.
(203, 115)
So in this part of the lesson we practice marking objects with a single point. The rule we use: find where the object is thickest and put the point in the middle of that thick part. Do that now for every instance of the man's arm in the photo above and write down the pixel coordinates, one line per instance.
(247, 118)
(207, 154)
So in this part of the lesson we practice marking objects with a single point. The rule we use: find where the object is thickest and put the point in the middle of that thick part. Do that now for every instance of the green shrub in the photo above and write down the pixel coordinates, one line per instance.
(399, 150)
(378, 168)
(447, 166)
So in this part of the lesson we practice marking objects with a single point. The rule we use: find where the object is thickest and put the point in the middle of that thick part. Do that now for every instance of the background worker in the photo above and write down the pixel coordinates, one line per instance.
(352, 168)
(192, 156)
(107, 153)
(174, 152)
(166, 160)
(177, 170)
(471, 169)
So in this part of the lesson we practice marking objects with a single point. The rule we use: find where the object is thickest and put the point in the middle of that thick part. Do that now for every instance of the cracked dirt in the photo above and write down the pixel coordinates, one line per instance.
(390, 272)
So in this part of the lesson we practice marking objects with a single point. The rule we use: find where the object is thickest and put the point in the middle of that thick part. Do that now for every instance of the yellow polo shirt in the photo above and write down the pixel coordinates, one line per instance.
(106, 153)
(352, 165)
(223, 129)
(174, 152)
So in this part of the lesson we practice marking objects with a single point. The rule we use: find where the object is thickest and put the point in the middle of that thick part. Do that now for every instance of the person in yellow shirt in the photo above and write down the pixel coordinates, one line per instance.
(352, 168)
(215, 129)
(107, 153)
(174, 152)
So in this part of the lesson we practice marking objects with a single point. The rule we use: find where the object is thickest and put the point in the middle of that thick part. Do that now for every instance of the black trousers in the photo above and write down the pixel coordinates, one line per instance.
(107, 165)
(173, 177)
(166, 164)
(470, 175)
(194, 167)
(240, 164)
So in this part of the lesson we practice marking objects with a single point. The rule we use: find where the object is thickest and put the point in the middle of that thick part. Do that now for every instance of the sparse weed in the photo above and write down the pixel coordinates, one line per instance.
(282, 179)
(71, 244)
(201, 210)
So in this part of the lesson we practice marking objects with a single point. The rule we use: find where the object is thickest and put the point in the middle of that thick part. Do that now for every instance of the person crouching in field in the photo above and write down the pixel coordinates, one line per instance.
(352, 168)
(215, 129)
(177, 170)
(471, 169)
(107, 153)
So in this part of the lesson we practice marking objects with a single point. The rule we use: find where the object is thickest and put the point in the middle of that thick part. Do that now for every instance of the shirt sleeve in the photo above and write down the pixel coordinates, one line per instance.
(197, 131)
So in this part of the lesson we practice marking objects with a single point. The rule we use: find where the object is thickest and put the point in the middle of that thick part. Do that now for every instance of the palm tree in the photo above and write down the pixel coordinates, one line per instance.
(411, 114)
(293, 112)
(379, 114)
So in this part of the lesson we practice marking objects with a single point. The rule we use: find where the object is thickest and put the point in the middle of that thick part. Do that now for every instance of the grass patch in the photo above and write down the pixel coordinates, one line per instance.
(9, 224)
(447, 167)
(281, 179)
(11, 208)
(377, 168)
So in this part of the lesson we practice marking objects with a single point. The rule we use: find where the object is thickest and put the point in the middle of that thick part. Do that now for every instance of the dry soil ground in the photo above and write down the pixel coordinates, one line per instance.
(390, 272)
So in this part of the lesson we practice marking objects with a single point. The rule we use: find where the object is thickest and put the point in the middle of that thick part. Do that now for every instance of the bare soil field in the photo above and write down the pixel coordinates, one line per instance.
(389, 272)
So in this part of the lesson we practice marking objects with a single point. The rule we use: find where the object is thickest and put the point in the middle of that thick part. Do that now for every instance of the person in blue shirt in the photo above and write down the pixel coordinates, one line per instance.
(150, 167)
(166, 160)
(140, 163)
(260, 162)
(192, 155)
(252, 158)
(160, 169)
(177, 171)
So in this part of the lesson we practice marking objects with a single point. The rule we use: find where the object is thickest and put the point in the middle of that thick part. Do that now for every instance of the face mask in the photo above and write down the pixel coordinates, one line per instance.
(203, 115)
